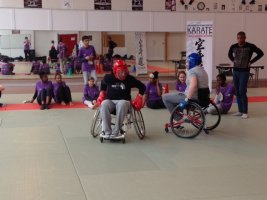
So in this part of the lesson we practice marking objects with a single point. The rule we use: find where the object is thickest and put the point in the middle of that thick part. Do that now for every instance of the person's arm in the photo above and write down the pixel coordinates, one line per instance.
(192, 87)
(159, 88)
(85, 94)
(230, 54)
(34, 96)
(259, 53)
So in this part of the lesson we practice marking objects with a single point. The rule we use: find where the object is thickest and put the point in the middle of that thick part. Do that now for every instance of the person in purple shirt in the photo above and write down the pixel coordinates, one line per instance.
(61, 91)
(153, 98)
(7, 67)
(87, 55)
(224, 95)
(27, 46)
(43, 92)
(35, 66)
(62, 55)
(90, 93)
(181, 81)
(44, 67)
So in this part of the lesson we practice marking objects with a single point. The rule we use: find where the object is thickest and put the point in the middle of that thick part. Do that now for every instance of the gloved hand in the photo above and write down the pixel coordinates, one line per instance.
(101, 98)
(137, 103)
(183, 104)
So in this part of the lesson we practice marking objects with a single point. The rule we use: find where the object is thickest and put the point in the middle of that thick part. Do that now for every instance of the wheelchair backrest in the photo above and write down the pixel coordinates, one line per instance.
(204, 97)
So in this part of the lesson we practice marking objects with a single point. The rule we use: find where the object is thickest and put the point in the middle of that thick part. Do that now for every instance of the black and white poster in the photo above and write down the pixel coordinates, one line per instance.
(102, 4)
(170, 5)
(32, 3)
(137, 5)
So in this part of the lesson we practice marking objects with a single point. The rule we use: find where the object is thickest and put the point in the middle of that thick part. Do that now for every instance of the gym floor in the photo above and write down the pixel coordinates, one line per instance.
(50, 155)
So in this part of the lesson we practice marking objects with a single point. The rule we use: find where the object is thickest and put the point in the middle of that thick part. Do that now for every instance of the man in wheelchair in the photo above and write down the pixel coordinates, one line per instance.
(115, 96)
(197, 78)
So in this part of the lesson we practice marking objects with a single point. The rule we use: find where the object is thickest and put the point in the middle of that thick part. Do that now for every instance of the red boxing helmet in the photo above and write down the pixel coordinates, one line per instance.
(120, 69)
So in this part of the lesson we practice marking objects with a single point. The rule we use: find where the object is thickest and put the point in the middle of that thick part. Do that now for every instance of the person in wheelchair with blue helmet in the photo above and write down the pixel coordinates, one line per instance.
(115, 96)
(197, 78)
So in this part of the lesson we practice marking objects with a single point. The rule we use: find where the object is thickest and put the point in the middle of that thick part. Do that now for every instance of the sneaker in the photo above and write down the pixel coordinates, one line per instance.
(237, 114)
(244, 116)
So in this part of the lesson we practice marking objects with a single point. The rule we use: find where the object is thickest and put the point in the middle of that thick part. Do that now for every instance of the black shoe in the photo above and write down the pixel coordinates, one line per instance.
(243, 2)
(1, 105)
(252, 2)
(46, 107)
(42, 107)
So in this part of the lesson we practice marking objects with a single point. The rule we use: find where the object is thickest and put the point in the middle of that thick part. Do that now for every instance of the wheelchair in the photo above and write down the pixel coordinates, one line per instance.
(134, 117)
(190, 121)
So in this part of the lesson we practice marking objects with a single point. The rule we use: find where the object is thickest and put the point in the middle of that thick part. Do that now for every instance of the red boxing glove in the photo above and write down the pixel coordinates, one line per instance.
(101, 98)
(138, 102)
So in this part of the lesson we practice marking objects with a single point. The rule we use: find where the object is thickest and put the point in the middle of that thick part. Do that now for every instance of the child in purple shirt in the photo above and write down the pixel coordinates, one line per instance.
(87, 55)
(181, 81)
(224, 95)
(35, 66)
(43, 92)
(153, 98)
(90, 93)
(62, 55)
(45, 68)
(61, 91)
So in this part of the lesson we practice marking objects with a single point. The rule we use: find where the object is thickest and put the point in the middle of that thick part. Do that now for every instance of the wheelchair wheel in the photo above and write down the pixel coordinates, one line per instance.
(212, 120)
(139, 124)
(189, 122)
(96, 126)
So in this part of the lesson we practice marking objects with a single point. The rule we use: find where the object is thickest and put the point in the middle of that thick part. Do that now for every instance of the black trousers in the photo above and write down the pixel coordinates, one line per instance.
(42, 97)
(64, 95)
(156, 104)
(27, 55)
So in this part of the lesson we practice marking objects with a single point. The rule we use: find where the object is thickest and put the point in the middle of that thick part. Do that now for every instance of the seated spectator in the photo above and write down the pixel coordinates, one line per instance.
(43, 92)
(90, 93)
(61, 91)
(45, 68)
(224, 95)
(153, 94)
(7, 67)
(181, 81)
(35, 66)
(2, 88)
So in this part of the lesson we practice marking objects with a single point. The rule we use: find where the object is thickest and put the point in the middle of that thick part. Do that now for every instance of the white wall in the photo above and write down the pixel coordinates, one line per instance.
(226, 23)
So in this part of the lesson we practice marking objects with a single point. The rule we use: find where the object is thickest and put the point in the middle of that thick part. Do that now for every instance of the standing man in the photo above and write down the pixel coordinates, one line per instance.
(62, 55)
(241, 56)
(111, 46)
(27, 47)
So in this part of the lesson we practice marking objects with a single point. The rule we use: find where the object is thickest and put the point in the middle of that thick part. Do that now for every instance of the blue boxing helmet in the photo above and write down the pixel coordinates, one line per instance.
(194, 59)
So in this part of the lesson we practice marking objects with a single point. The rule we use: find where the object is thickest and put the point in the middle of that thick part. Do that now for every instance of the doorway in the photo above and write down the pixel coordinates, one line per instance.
(70, 40)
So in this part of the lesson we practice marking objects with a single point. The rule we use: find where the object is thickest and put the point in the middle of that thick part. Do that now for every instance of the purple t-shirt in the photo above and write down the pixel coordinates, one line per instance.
(41, 85)
(62, 50)
(55, 88)
(89, 51)
(151, 92)
(35, 67)
(90, 93)
(180, 87)
(27, 45)
(228, 93)
(45, 68)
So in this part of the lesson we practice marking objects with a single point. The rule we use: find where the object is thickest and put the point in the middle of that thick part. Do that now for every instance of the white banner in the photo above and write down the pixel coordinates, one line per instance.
(141, 63)
(199, 40)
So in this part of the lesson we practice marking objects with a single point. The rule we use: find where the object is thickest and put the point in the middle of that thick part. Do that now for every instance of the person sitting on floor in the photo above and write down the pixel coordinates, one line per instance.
(61, 91)
(45, 68)
(90, 93)
(181, 81)
(43, 91)
(35, 66)
(2, 88)
(224, 95)
(153, 94)
(7, 67)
